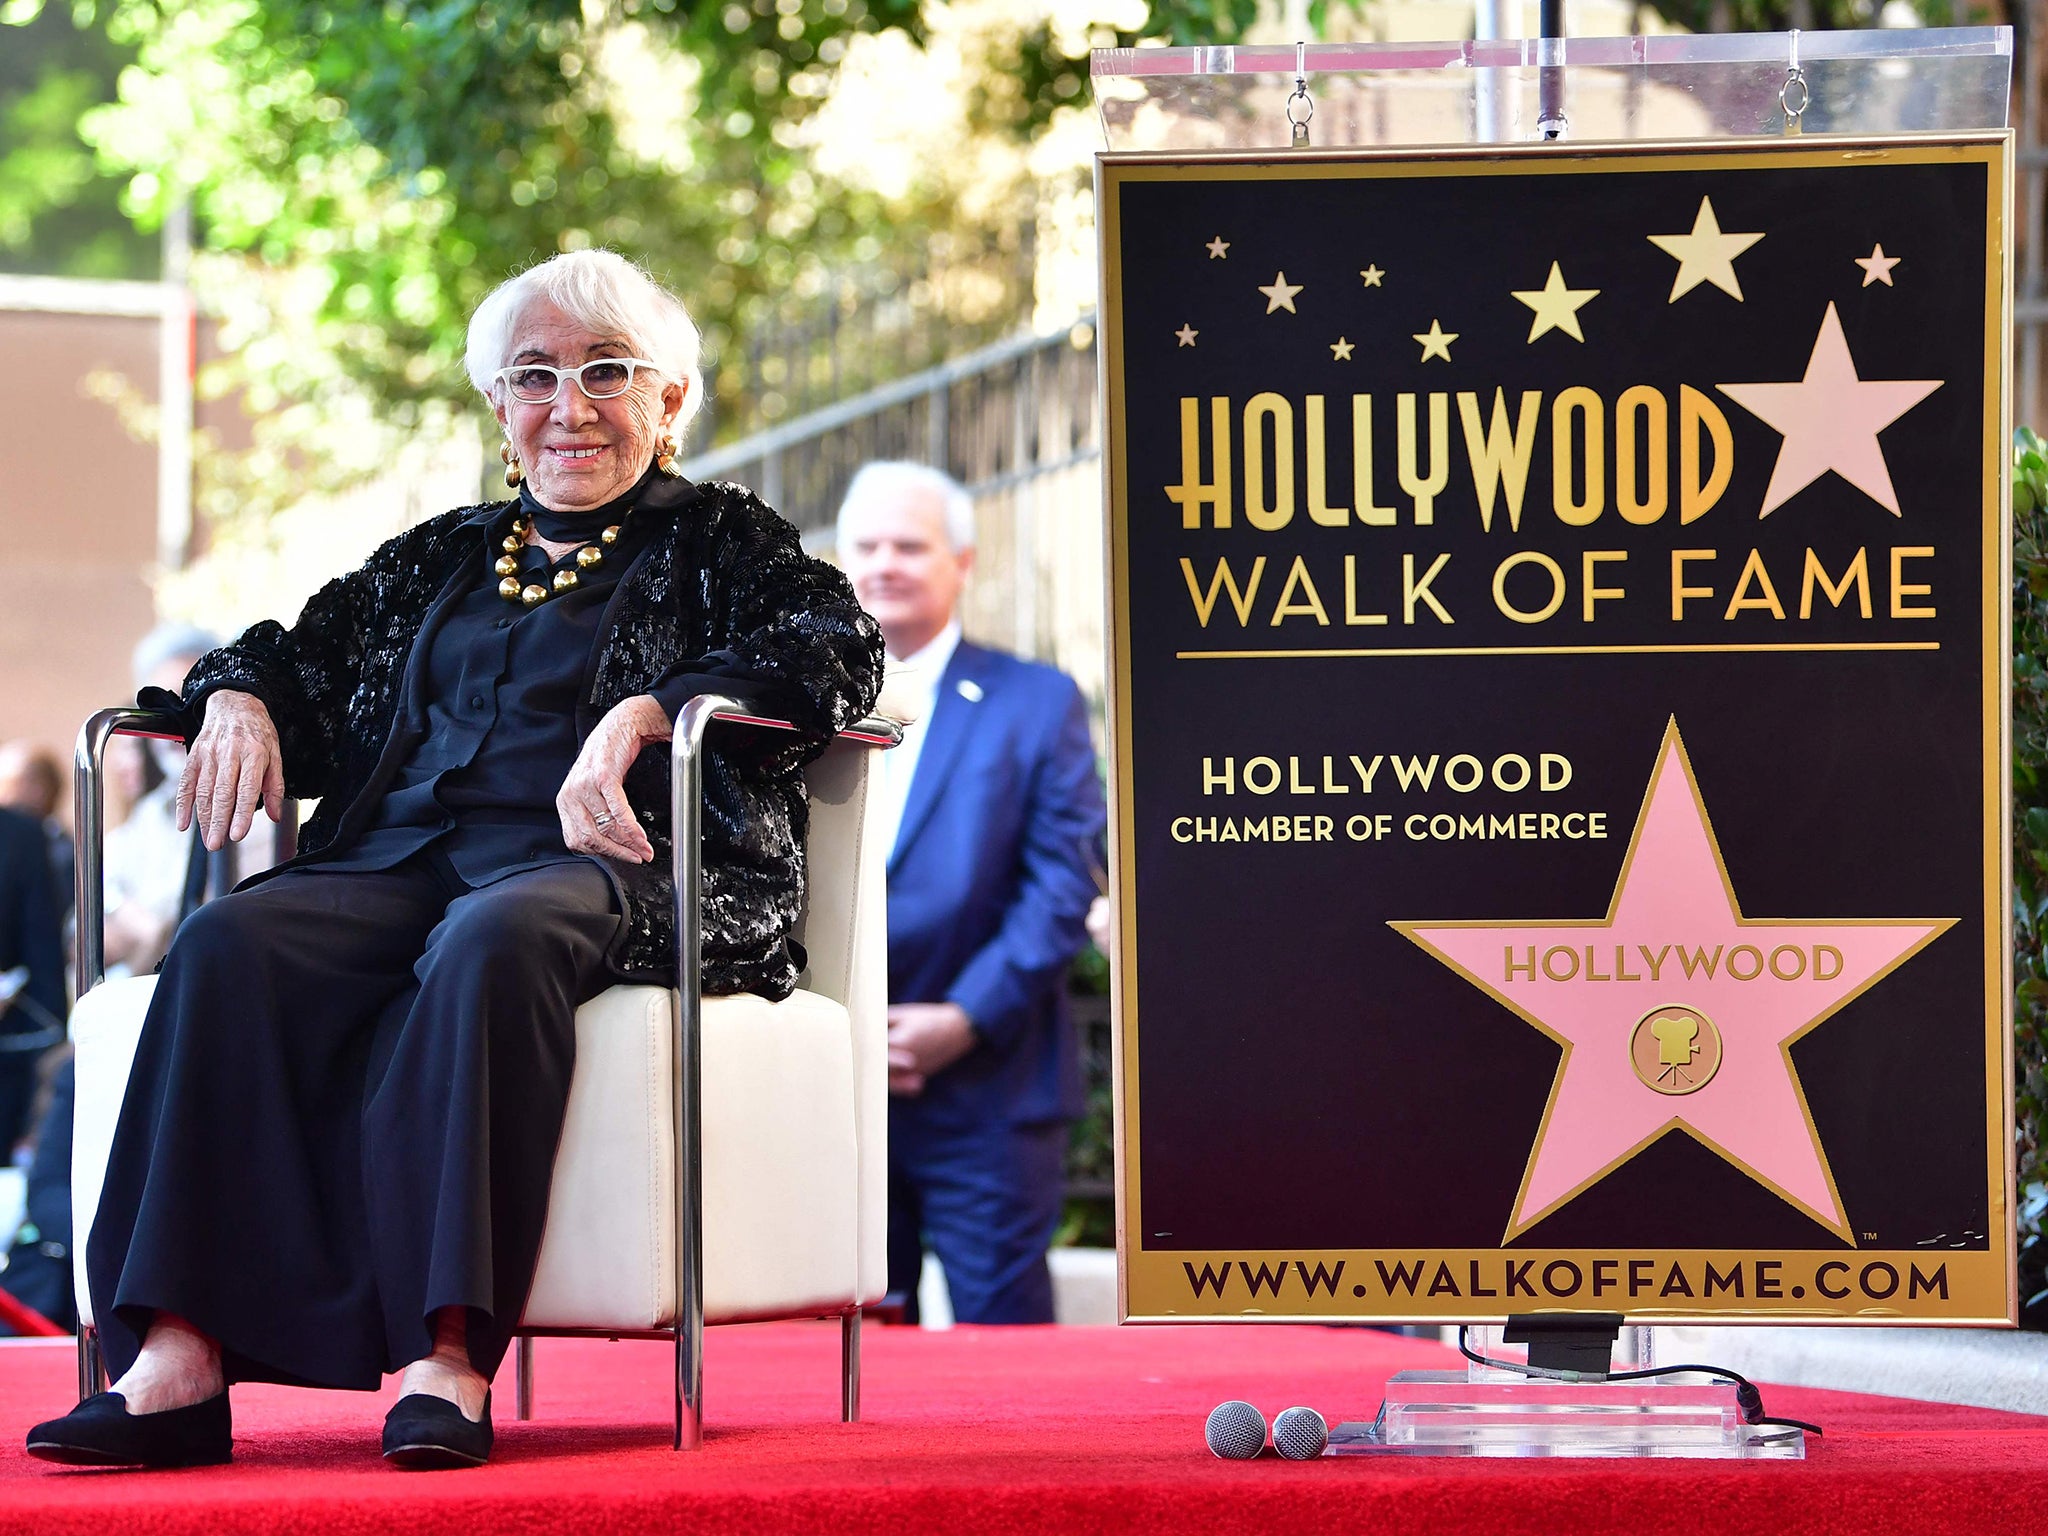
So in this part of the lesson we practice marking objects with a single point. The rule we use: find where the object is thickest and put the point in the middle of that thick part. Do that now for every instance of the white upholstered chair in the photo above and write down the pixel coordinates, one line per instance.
(723, 1159)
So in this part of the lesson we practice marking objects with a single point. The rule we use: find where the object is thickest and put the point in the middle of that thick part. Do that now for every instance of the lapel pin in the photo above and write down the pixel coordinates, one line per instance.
(969, 690)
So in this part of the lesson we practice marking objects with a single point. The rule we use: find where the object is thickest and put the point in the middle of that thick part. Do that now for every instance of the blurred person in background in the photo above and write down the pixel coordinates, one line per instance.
(33, 1268)
(32, 991)
(991, 812)
(153, 876)
(35, 783)
(37, 1259)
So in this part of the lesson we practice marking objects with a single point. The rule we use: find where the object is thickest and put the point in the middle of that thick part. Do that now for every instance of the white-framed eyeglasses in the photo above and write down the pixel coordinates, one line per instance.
(602, 378)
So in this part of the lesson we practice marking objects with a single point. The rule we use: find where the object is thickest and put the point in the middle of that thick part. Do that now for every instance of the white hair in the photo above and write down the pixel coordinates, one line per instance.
(605, 292)
(171, 640)
(891, 480)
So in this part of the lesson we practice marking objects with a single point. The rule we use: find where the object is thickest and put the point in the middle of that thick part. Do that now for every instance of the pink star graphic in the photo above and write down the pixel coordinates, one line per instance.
(1675, 938)
(1830, 420)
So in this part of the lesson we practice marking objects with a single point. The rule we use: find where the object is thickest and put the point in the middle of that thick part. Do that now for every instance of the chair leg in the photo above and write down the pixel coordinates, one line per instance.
(92, 1365)
(522, 1378)
(689, 1383)
(849, 1367)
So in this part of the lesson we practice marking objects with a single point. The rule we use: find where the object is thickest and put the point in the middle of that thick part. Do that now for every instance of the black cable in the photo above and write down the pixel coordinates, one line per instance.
(1747, 1397)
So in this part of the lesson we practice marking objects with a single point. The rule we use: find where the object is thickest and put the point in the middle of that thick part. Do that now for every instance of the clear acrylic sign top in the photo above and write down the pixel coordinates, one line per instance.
(1703, 86)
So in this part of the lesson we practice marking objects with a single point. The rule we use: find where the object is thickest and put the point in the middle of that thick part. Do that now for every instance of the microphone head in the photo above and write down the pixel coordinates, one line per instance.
(1300, 1434)
(1236, 1431)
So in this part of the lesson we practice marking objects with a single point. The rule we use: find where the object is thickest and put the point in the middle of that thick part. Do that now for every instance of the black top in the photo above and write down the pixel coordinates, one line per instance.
(491, 706)
(722, 598)
(567, 527)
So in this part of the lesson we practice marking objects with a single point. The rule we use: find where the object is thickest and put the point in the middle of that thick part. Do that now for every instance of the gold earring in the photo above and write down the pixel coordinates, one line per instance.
(665, 450)
(513, 473)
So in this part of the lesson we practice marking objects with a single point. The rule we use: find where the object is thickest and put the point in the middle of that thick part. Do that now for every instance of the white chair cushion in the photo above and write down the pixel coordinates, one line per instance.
(781, 1165)
(845, 930)
(105, 1027)
(795, 1116)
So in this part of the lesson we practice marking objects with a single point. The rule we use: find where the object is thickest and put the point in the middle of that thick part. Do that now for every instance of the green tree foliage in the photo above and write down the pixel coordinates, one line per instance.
(360, 174)
(417, 150)
(412, 154)
(1811, 15)
(1043, 68)
(399, 159)
(407, 154)
(2030, 862)
(2030, 799)
(58, 214)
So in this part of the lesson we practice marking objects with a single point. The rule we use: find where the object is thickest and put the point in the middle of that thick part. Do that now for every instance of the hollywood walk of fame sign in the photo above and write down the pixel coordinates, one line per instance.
(1558, 619)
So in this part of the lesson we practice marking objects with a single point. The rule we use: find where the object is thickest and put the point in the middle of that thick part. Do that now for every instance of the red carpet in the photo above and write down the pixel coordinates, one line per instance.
(989, 1431)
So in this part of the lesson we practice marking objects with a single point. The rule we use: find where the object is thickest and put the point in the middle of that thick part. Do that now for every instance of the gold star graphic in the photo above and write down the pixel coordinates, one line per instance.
(1556, 306)
(1372, 276)
(1436, 341)
(1706, 255)
(1280, 294)
(1340, 349)
(1877, 267)
(1187, 334)
(1217, 247)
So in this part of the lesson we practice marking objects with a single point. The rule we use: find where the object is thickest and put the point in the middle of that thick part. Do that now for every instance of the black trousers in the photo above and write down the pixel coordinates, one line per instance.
(343, 1116)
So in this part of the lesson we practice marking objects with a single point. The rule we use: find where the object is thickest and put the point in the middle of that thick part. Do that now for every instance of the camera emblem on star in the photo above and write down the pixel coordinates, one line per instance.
(1675, 1050)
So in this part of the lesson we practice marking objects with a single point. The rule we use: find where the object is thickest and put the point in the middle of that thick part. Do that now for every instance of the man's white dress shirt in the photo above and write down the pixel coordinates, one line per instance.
(917, 681)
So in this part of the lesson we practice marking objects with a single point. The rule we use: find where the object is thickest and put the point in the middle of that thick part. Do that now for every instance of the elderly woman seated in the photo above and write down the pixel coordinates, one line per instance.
(334, 1157)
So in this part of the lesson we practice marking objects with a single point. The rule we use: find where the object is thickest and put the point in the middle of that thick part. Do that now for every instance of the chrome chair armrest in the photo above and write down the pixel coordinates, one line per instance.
(89, 804)
(686, 785)
(89, 807)
(869, 730)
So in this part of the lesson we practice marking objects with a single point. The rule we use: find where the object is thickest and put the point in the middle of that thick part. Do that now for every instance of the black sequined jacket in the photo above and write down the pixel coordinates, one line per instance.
(727, 592)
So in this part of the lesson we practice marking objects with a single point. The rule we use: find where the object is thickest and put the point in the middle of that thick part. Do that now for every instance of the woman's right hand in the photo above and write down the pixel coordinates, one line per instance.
(235, 763)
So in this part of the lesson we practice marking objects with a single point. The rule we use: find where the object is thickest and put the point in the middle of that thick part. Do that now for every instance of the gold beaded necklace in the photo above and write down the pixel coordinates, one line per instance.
(589, 556)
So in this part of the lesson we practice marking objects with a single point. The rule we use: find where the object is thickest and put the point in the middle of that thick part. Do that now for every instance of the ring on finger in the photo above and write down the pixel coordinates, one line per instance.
(602, 818)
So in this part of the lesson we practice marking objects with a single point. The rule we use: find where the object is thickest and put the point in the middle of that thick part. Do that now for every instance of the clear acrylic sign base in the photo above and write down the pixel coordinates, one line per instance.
(1446, 1413)
(1481, 1411)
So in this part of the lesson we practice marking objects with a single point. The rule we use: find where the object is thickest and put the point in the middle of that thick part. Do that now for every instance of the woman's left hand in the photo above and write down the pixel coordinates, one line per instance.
(595, 816)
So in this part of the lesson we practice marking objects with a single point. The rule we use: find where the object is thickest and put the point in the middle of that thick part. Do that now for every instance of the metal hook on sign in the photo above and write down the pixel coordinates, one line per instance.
(1795, 95)
(1298, 118)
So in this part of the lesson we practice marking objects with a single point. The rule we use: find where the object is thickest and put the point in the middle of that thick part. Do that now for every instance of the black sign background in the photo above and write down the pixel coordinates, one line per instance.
(1309, 1079)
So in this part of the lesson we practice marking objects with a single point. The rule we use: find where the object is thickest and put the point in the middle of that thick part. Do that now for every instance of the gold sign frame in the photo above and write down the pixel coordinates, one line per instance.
(1876, 1286)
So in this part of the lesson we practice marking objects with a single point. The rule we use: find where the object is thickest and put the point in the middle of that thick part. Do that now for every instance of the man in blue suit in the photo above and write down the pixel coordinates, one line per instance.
(992, 812)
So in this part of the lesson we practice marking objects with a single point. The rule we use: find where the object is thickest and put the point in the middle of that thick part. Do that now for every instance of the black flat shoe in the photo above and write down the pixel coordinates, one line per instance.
(427, 1433)
(101, 1432)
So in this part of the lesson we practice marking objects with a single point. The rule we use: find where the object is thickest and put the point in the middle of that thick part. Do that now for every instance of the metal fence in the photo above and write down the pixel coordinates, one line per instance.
(1018, 424)
(835, 333)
